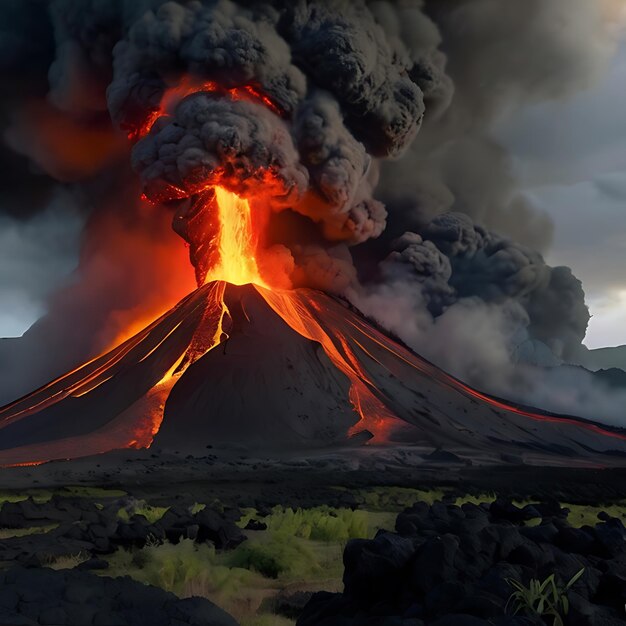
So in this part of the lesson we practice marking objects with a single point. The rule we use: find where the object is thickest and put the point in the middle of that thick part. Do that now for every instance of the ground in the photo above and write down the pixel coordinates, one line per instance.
(255, 534)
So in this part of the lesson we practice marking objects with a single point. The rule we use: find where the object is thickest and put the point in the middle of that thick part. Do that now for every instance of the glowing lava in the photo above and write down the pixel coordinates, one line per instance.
(188, 87)
(235, 241)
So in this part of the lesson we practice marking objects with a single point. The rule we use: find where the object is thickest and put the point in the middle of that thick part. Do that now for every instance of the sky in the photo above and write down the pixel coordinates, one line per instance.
(579, 145)
(38, 255)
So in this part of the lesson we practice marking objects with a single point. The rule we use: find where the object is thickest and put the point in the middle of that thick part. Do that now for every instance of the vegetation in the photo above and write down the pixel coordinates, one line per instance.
(67, 561)
(546, 599)
(10, 533)
(141, 507)
(196, 507)
(299, 545)
(319, 524)
(396, 499)
(40, 496)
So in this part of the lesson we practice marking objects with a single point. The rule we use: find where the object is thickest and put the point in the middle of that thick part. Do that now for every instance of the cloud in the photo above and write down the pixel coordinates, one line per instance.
(37, 256)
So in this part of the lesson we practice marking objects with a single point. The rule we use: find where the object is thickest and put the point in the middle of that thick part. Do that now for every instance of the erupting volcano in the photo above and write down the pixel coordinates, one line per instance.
(240, 361)
(265, 129)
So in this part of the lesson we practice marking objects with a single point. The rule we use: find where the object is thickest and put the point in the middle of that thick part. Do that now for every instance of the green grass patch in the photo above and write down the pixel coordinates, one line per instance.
(477, 500)
(299, 546)
(188, 569)
(10, 533)
(322, 523)
(587, 515)
(141, 507)
(396, 498)
(9, 496)
(67, 561)
(41, 496)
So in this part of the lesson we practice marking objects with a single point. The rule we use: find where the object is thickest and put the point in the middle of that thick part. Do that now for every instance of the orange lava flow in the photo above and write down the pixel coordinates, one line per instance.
(301, 316)
(423, 366)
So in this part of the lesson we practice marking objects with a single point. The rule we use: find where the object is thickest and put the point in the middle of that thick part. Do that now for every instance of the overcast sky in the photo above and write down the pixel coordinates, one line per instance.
(581, 143)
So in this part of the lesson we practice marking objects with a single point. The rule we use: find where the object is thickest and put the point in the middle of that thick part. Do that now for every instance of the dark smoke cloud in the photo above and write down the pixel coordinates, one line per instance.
(453, 259)
(314, 107)
(211, 141)
(498, 59)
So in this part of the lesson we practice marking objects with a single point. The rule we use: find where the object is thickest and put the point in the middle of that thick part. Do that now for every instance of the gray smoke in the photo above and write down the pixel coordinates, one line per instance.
(348, 121)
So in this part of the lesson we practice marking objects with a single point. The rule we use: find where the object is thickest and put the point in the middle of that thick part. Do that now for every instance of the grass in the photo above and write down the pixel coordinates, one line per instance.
(585, 515)
(8, 496)
(322, 523)
(41, 496)
(10, 533)
(67, 561)
(188, 569)
(395, 499)
(477, 500)
(299, 546)
(141, 507)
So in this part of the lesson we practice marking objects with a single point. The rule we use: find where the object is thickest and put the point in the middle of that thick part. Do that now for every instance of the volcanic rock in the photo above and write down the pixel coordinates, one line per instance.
(45, 596)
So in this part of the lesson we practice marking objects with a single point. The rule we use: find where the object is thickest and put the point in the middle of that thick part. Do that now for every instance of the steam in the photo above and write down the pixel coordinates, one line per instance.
(358, 129)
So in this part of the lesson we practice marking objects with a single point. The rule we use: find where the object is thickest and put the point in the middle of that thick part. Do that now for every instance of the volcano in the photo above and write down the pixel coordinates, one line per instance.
(273, 368)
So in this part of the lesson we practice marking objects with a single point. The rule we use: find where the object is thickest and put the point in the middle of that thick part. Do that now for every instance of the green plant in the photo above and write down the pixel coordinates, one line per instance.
(196, 507)
(67, 561)
(321, 523)
(10, 533)
(542, 598)
(396, 498)
(141, 507)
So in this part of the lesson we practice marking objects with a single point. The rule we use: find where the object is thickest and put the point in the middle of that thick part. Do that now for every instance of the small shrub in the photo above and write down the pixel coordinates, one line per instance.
(68, 561)
(319, 524)
(141, 507)
(280, 555)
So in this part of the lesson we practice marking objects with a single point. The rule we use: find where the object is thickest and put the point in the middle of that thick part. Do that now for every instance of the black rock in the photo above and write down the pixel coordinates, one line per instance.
(254, 524)
(434, 563)
(373, 568)
(72, 597)
(460, 620)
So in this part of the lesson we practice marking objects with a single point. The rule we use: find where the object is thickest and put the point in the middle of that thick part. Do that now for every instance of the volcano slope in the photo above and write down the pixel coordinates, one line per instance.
(266, 369)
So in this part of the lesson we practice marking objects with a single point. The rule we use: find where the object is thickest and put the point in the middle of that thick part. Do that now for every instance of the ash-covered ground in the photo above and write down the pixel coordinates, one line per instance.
(363, 535)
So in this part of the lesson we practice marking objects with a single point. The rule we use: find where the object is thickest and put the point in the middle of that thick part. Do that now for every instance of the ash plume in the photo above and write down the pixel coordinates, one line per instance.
(360, 129)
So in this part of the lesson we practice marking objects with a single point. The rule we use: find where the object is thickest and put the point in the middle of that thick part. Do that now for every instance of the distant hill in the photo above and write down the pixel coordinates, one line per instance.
(603, 358)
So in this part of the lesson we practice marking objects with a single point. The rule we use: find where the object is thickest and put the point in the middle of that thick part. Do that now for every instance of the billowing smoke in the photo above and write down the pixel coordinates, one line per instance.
(361, 129)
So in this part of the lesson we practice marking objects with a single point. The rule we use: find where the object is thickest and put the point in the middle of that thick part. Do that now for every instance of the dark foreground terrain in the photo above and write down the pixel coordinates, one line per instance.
(401, 536)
